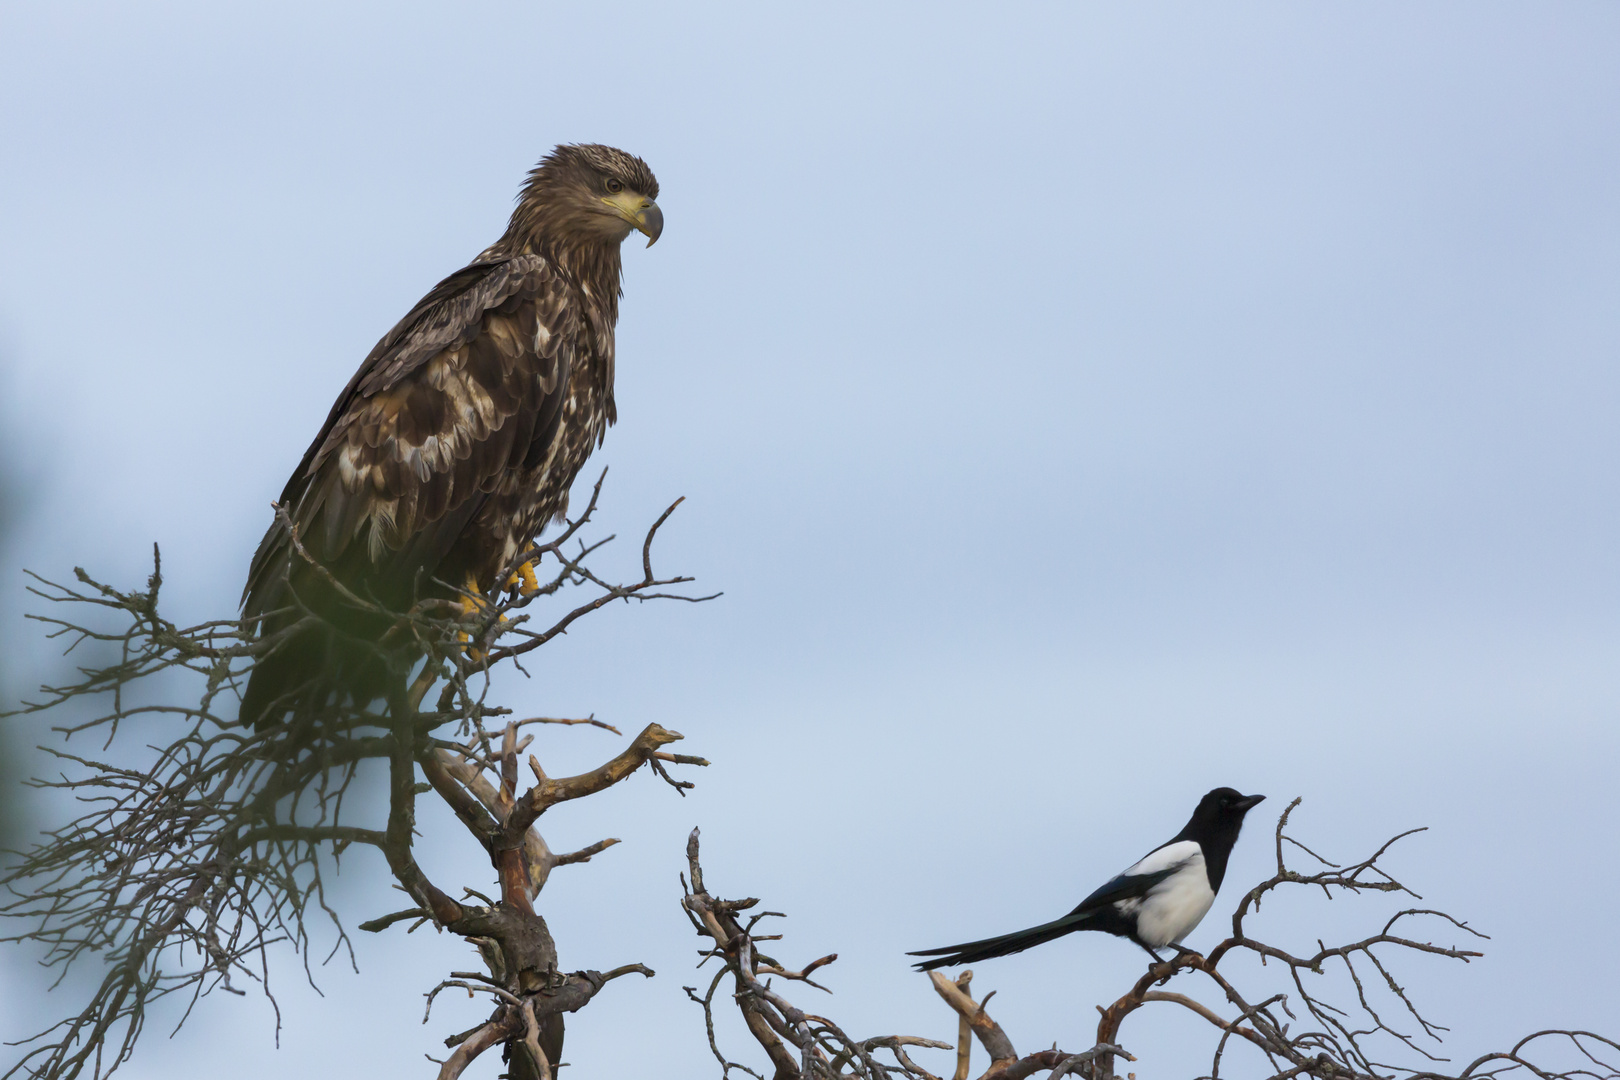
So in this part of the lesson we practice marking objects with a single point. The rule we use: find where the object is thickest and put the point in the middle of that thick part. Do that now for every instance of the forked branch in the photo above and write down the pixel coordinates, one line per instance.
(804, 1046)
(1296, 1029)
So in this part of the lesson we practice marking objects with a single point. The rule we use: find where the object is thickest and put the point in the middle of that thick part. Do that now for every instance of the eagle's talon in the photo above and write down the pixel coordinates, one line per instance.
(474, 653)
(473, 602)
(523, 582)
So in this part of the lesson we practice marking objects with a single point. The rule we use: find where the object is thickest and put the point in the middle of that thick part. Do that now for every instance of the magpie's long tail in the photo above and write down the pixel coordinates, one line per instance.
(972, 952)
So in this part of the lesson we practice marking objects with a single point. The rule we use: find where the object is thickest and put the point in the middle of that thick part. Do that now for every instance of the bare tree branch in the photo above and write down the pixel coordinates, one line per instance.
(207, 843)
(1334, 1040)
(823, 1048)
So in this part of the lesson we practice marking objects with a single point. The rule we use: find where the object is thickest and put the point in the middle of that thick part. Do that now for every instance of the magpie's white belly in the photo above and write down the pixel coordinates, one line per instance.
(1174, 906)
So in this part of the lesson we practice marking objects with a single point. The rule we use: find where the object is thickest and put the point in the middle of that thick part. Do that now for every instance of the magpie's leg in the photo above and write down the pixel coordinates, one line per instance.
(1157, 959)
(1182, 950)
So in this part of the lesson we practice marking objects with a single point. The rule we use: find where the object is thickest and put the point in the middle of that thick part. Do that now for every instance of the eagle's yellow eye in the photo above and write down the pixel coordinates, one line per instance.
(614, 185)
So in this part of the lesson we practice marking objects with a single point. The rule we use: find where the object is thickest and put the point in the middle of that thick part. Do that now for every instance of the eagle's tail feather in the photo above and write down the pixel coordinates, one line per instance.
(282, 679)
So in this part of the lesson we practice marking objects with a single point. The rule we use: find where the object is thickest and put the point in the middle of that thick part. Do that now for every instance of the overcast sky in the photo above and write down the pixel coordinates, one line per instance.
(1081, 405)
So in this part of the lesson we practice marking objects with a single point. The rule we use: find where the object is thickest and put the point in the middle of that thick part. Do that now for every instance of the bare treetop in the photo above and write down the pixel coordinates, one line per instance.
(1260, 1029)
(201, 843)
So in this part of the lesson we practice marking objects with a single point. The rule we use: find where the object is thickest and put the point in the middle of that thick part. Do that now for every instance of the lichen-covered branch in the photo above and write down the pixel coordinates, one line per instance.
(203, 842)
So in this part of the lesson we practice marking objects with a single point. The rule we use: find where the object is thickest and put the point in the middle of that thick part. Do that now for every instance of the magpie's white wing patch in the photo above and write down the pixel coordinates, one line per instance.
(1168, 857)
(1172, 907)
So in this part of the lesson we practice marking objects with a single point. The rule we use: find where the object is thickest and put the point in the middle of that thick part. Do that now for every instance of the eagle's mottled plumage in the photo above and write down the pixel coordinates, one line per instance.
(458, 438)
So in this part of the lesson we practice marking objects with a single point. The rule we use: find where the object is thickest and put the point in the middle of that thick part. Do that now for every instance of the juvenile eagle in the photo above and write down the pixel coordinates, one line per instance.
(457, 440)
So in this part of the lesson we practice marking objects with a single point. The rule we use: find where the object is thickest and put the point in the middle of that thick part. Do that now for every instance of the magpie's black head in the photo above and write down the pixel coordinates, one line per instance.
(1224, 808)
(1215, 826)
(1220, 815)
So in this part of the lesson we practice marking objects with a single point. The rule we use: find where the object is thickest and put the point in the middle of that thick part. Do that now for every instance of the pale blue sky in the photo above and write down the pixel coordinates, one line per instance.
(1080, 404)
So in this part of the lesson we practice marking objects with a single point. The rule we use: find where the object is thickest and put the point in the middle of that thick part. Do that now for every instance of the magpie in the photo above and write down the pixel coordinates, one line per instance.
(1155, 903)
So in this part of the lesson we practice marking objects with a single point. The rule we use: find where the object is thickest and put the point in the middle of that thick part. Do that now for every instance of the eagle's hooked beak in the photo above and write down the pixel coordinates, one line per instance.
(641, 212)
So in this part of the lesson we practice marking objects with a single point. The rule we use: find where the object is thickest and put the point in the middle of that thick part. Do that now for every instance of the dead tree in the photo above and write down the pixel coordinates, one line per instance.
(1291, 1030)
(202, 843)
(193, 856)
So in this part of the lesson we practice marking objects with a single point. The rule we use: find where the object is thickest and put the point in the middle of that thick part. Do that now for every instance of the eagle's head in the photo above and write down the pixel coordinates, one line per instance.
(583, 194)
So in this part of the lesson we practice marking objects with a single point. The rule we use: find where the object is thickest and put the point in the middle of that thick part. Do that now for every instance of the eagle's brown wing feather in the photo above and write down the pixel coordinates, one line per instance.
(445, 409)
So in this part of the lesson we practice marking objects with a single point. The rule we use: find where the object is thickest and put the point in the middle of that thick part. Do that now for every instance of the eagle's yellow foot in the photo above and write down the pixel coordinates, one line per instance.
(524, 581)
(473, 602)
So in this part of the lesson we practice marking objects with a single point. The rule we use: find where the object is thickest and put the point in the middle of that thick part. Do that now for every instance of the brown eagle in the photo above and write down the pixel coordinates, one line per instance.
(457, 440)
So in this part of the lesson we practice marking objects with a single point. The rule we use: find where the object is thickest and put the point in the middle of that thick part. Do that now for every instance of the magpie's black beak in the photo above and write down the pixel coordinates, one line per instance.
(1249, 802)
